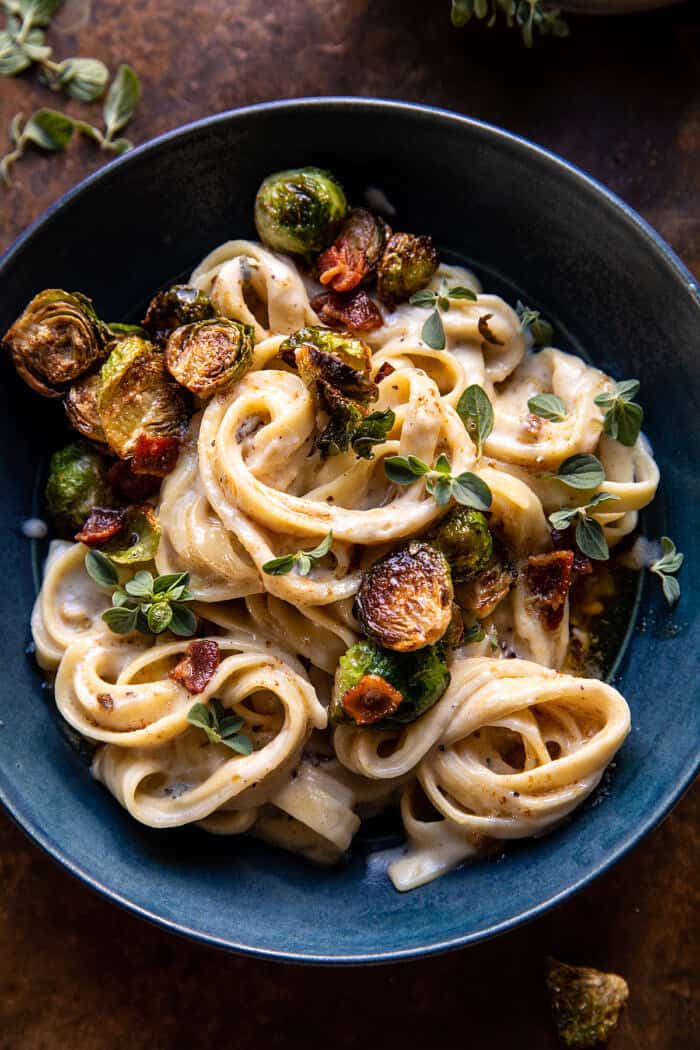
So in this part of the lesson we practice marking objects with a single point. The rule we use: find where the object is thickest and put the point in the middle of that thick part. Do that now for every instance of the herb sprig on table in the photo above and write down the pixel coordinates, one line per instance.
(529, 16)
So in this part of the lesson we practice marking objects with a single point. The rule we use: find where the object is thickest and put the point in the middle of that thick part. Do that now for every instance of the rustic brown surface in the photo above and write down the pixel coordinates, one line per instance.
(620, 99)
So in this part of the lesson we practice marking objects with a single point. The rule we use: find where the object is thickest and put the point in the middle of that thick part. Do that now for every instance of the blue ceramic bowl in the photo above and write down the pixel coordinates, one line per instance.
(532, 226)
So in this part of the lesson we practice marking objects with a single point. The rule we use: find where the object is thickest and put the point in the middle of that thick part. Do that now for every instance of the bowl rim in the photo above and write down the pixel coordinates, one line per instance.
(669, 798)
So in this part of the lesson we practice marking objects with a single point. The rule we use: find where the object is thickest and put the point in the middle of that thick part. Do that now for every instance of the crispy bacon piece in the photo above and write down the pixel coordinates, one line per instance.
(564, 540)
(355, 311)
(355, 252)
(134, 488)
(155, 455)
(371, 700)
(101, 524)
(384, 372)
(196, 669)
(486, 333)
(342, 266)
(549, 579)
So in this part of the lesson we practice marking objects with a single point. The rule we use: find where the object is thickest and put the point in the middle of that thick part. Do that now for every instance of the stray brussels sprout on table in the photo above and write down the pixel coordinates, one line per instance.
(174, 307)
(209, 355)
(137, 398)
(405, 599)
(465, 539)
(75, 485)
(298, 211)
(379, 688)
(408, 263)
(80, 405)
(355, 252)
(55, 340)
(586, 1003)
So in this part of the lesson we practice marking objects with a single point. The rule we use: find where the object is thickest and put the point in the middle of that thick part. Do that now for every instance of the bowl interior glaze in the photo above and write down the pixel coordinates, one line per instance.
(527, 222)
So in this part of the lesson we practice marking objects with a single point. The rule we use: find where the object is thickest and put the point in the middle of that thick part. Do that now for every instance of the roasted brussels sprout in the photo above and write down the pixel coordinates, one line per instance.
(174, 307)
(465, 539)
(57, 339)
(345, 418)
(137, 397)
(405, 599)
(483, 592)
(408, 263)
(81, 408)
(298, 211)
(209, 355)
(75, 485)
(586, 1003)
(347, 348)
(380, 688)
(138, 538)
(120, 331)
(355, 252)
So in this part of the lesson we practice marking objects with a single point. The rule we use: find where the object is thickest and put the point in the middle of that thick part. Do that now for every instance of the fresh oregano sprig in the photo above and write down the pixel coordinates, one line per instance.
(540, 329)
(590, 537)
(582, 471)
(220, 727)
(475, 410)
(301, 561)
(547, 406)
(433, 331)
(529, 16)
(665, 567)
(146, 604)
(467, 489)
(623, 417)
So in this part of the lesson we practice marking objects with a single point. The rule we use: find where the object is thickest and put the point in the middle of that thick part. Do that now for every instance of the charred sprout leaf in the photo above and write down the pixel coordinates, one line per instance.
(623, 417)
(100, 569)
(121, 102)
(57, 338)
(407, 264)
(373, 677)
(665, 566)
(347, 349)
(586, 1003)
(547, 406)
(541, 330)
(582, 471)
(209, 355)
(137, 397)
(81, 408)
(465, 539)
(476, 412)
(299, 210)
(220, 729)
(355, 252)
(174, 307)
(373, 430)
(139, 537)
(75, 485)
(302, 561)
(405, 599)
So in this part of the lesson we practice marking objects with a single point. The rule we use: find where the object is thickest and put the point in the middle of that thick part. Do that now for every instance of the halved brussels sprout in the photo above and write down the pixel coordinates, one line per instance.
(57, 338)
(355, 252)
(81, 408)
(347, 348)
(209, 355)
(137, 396)
(174, 307)
(405, 599)
(489, 587)
(76, 483)
(299, 210)
(465, 539)
(380, 688)
(120, 331)
(408, 263)
(345, 417)
(586, 1003)
(138, 539)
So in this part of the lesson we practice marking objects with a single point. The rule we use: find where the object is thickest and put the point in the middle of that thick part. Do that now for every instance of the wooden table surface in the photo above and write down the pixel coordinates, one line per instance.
(621, 99)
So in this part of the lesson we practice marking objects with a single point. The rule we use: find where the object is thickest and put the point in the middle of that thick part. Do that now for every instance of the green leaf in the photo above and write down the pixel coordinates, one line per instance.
(159, 616)
(417, 466)
(170, 580)
(83, 78)
(400, 470)
(623, 422)
(590, 539)
(462, 11)
(671, 588)
(601, 497)
(120, 620)
(671, 559)
(433, 333)
(474, 634)
(230, 725)
(476, 412)
(561, 519)
(323, 548)
(469, 490)
(36, 12)
(373, 430)
(440, 489)
(13, 57)
(183, 622)
(627, 389)
(541, 330)
(442, 464)
(199, 715)
(425, 298)
(462, 293)
(121, 598)
(547, 406)
(581, 471)
(604, 400)
(141, 586)
(218, 711)
(122, 99)
(279, 566)
(100, 569)
(48, 130)
(302, 563)
(242, 744)
(118, 146)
